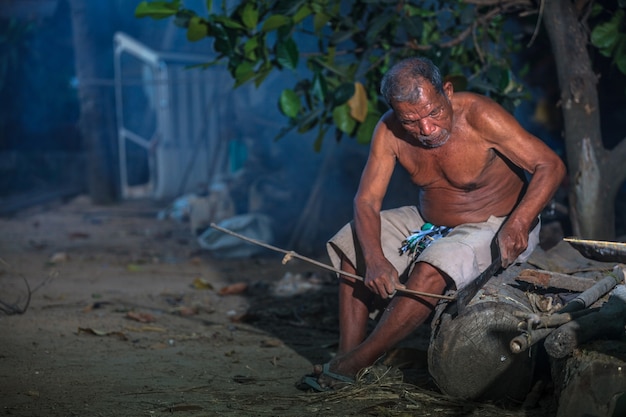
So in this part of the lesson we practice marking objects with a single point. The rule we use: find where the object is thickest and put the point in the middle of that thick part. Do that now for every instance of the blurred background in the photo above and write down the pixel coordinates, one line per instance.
(183, 138)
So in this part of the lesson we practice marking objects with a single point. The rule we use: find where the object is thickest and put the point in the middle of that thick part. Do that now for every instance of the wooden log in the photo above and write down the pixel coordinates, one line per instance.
(548, 279)
(469, 354)
(607, 323)
(592, 382)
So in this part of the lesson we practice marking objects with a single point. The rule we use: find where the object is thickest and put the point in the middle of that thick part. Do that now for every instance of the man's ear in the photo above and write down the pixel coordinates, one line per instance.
(448, 89)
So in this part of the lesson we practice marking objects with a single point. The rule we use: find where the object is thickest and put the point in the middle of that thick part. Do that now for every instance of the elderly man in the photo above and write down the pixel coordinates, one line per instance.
(469, 157)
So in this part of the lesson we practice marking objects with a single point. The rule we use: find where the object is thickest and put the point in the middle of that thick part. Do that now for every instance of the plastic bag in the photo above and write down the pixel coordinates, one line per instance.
(223, 245)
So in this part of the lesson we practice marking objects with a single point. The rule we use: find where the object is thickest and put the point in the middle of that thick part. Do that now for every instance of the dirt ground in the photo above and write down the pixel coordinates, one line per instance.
(128, 317)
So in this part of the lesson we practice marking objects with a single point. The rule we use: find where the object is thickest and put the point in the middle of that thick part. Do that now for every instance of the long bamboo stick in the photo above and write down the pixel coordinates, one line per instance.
(291, 254)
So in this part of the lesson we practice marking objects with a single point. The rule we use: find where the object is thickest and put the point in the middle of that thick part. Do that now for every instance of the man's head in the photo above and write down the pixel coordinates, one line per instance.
(420, 100)
(403, 82)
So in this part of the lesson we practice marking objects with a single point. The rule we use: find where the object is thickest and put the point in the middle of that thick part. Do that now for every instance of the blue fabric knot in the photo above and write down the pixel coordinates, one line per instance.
(419, 240)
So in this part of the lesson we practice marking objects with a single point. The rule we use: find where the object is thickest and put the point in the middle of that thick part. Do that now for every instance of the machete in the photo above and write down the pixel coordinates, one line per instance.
(465, 294)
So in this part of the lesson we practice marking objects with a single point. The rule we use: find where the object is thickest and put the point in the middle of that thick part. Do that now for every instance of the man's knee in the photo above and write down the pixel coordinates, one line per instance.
(426, 277)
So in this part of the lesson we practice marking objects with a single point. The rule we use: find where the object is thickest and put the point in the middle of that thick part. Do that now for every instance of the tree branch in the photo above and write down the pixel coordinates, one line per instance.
(503, 7)
(503, 4)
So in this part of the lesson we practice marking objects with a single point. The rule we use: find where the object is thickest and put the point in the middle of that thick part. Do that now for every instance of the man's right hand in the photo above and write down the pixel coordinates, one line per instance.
(382, 278)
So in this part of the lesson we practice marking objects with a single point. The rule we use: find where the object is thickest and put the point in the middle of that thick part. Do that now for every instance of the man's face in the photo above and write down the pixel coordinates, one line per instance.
(430, 119)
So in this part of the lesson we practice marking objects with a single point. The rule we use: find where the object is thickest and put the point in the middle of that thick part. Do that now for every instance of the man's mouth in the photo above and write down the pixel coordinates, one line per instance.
(435, 140)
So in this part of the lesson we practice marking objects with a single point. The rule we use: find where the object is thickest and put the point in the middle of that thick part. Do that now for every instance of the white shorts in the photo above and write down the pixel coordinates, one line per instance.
(462, 255)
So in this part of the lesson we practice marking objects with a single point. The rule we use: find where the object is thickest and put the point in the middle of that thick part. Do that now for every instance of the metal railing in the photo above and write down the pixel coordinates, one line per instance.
(170, 132)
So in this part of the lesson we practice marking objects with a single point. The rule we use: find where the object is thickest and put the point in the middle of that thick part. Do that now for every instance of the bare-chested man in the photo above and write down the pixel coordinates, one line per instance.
(469, 157)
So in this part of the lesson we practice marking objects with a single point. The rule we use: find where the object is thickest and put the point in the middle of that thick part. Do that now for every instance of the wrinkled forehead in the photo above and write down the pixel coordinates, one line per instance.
(427, 100)
(406, 111)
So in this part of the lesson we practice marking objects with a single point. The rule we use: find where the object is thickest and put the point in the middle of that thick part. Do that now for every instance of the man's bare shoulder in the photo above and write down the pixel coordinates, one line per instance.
(480, 112)
(389, 126)
(472, 103)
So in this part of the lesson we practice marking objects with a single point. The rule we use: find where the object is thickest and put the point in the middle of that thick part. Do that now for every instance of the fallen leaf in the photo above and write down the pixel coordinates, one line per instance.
(271, 343)
(236, 288)
(242, 379)
(146, 329)
(78, 235)
(94, 305)
(183, 407)
(101, 333)
(202, 284)
(244, 318)
(184, 311)
(140, 317)
(58, 258)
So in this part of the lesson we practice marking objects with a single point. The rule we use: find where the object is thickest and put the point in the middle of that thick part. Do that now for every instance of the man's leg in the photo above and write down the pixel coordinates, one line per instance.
(354, 304)
(404, 315)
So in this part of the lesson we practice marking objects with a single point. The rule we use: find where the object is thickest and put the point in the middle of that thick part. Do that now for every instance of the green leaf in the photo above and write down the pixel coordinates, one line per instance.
(604, 36)
(222, 43)
(340, 36)
(182, 18)
(250, 16)
(209, 5)
(228, 22)
(261, 76)
(380, 22)
(366, 129)
(301, 14)
(289, 103)
(413, 26)
(343, 93)
(250, 47)
(157, 9)
(343, 120)
(320, 20)
(317, 145)
(287, 53)
(243, 73)
(197, 29)
(319, 88)
(274, 22)
(620, 55)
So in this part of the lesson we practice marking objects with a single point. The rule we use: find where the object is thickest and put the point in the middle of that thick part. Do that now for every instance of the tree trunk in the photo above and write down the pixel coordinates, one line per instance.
(97, 125)
(595, 175)
(469, 355)
(592, 383)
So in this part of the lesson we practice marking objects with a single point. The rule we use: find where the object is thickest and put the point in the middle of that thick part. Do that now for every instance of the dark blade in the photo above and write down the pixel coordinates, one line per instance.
(467, 293)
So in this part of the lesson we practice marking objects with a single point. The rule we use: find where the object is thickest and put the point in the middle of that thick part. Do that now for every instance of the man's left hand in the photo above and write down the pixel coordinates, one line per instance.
(512, 241)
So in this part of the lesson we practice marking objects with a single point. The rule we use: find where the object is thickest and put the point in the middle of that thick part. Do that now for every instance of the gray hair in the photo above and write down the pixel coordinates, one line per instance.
(403, 81)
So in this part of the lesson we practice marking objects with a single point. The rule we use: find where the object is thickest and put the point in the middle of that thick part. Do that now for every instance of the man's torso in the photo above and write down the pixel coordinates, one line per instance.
(463, 181)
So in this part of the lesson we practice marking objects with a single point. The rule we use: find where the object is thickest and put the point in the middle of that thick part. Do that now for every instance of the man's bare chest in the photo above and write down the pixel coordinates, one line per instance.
(461, 168)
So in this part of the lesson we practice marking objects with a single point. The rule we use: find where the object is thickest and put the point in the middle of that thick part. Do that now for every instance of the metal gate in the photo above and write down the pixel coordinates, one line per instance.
(171, 138)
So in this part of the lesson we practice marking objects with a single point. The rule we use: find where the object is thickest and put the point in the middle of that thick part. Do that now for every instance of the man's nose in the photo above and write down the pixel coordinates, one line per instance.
(426, 128)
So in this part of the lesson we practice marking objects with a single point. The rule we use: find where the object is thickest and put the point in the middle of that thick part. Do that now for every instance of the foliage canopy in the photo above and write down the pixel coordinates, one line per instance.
(340, 50)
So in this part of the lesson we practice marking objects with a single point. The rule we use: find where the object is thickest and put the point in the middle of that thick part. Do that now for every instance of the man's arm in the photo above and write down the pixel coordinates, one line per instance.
(381, 277)
(534, 156)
